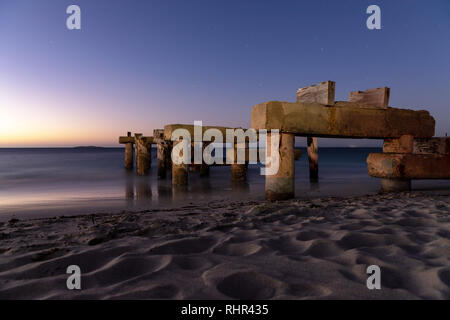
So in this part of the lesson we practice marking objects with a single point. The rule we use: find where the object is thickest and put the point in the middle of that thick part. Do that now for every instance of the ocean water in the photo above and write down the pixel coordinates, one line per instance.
(67, 181)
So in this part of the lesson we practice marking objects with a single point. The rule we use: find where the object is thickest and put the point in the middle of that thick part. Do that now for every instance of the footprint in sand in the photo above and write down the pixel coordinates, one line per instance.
(249, 285)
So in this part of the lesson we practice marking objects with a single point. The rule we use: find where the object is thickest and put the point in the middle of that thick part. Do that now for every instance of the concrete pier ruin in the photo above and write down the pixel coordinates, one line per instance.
(180, 172)
(164, 149)
(142, 145)
(409, 150)
(406, 158)
(366, 115)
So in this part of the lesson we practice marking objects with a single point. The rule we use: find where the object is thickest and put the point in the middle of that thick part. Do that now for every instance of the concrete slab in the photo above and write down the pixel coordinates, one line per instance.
(408, 166)
(344, 120)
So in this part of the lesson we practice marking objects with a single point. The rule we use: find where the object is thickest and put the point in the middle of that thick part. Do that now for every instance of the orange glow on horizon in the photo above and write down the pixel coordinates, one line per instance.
(37, 120)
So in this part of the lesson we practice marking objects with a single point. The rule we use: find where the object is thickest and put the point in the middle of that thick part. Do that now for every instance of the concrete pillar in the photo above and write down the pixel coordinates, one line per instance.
(179, 172)
(129, 154)
(169, 155)
(204, 168)
(395, 185)
(313, 159)
(163, 161)
(129, 187)
(281, 185)
(143, 155)
(238, 171)
(143, 189)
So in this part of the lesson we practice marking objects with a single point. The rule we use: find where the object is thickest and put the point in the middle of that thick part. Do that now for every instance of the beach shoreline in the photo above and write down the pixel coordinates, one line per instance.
(297, 249)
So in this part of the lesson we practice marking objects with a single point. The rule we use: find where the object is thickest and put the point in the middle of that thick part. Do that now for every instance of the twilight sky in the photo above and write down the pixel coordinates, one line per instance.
(137, 65)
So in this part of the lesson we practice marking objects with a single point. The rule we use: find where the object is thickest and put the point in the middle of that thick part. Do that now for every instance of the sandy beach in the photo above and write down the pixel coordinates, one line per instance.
(297, 249)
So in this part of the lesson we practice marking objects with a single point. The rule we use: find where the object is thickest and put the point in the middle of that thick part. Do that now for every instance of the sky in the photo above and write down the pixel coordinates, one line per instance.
(138, 65)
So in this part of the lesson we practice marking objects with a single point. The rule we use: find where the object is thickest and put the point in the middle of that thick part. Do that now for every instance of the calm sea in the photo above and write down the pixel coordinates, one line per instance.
(65, 181)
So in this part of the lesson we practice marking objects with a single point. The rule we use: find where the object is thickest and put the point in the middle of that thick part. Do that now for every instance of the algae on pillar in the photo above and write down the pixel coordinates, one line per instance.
(281, 185)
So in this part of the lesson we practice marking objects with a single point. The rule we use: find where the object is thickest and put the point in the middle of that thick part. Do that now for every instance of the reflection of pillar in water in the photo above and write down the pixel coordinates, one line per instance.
(240, 187)
(179, 192)
(143, 189)
(129, 187)
(164, 191)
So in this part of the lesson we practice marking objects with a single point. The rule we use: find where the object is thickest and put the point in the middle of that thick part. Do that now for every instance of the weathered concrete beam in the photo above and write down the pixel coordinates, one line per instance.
(322, 93)
(407, 144)
(404, 144)
(158, 133)
(432, 146)
(170, 128)
(408, 166)
(344, 120)
(375, 98)
(125, 139)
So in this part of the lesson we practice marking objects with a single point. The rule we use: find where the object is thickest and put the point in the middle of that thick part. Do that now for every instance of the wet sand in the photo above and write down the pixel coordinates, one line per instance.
(297, 249)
